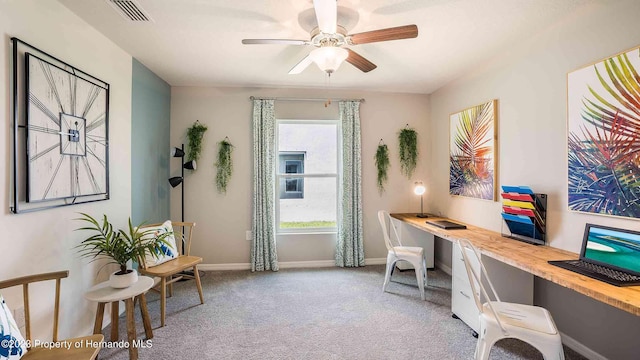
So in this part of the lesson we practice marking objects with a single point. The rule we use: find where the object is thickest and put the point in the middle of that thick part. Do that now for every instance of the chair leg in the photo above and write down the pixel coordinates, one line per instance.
(391, 263)
(196, 274)
(163, 300)
(486, 338)
(420, 275)
(170, 286)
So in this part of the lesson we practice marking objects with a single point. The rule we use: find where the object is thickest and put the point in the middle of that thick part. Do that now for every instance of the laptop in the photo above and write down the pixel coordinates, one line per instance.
(608, 254)
(446, 224)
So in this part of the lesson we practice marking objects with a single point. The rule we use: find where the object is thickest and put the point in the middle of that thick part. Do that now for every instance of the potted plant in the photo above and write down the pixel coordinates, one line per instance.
(408, 146)
(195, 135)
(119, 246)
(224, 164)
(382, 165)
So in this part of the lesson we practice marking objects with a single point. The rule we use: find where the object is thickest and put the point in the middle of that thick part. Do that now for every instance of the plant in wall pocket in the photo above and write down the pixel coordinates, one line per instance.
(382, 165)
(120, 246)
(408, 144)
(224, 164)
(195, 134)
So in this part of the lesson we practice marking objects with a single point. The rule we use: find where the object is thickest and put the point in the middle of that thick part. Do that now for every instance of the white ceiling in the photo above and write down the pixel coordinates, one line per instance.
(198, 42)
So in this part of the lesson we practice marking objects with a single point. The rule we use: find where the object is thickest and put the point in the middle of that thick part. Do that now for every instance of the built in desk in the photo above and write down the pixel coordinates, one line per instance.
(533, 259)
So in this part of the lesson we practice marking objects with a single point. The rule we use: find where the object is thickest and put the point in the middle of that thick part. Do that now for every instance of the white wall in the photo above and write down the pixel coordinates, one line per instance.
(529, 80)
(223, 219)
(43, 241)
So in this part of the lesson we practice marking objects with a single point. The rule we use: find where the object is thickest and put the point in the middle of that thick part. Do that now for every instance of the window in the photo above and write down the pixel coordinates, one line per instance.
(291, 162)
(307, 176)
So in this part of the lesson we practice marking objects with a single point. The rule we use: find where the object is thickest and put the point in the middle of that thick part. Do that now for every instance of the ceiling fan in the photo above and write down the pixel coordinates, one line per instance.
(330, 38)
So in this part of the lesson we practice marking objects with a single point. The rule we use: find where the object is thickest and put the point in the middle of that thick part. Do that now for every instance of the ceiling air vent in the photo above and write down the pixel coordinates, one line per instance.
(130, 10)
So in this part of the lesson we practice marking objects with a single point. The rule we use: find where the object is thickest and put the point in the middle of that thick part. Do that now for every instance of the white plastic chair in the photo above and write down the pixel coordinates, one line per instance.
(500, 320)
(414, 255)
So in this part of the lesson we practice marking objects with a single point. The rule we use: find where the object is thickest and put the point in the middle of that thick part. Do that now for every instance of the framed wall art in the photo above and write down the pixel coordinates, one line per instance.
(603, 129)
(61, 142)
(472, 151)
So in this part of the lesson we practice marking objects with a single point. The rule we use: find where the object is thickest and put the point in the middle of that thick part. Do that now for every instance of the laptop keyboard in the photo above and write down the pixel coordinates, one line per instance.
(610, 273)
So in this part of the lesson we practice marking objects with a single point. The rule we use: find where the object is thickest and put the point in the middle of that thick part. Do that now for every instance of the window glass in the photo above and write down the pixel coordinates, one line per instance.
(307, 171)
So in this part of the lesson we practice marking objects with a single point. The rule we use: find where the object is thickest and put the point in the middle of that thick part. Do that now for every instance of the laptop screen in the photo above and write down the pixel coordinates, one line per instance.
(616, 248)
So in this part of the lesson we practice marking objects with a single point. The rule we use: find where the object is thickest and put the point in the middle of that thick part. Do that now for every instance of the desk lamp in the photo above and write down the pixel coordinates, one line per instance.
(419, 189)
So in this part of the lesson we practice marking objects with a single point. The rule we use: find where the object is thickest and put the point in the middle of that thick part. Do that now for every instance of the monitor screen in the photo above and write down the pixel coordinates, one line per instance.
(617, 248)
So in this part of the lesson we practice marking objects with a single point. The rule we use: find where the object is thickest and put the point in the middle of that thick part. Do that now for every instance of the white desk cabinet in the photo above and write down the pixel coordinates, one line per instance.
(463, 305)
(410, 236)
(511, 284)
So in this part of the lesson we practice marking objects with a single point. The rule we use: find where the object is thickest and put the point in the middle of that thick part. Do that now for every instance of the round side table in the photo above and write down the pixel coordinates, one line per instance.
(103, 293)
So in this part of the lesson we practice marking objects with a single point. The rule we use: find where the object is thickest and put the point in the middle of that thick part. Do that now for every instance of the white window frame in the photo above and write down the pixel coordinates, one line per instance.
(323, 230)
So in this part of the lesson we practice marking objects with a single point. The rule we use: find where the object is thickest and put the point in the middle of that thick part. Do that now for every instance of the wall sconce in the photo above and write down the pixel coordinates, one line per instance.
(419, 189)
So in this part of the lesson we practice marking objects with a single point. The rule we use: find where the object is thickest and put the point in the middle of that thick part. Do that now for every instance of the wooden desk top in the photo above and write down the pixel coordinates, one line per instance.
(533, 259)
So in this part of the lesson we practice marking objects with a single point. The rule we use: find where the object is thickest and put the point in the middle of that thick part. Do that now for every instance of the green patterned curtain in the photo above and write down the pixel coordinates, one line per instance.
(349, 247)
(263, 246)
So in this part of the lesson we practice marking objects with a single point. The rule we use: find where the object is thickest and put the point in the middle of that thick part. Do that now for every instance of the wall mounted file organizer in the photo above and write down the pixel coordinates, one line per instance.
(524, 214)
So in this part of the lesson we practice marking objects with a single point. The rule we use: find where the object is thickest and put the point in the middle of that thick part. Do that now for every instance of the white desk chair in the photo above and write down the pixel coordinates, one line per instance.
(499, 320)
(414, 255)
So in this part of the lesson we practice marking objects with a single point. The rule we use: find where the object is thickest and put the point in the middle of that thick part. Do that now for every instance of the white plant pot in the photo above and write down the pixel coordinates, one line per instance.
(123, 281)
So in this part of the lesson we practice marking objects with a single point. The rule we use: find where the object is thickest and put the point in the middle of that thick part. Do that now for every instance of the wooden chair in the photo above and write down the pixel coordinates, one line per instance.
(174, 270)
(80, 347)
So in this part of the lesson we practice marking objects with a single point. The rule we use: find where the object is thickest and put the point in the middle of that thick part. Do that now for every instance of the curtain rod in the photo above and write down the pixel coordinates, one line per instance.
(300, 99)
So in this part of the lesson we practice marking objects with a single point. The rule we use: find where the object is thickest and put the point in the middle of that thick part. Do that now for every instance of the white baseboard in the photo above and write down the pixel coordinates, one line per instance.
(445, 268)
(580, 348)
(376, 261)
(230, 266)
(286, 264)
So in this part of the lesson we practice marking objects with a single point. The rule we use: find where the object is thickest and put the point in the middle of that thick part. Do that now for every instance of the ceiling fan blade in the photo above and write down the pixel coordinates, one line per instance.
(360, 62)
(327, 15)
(274, 41)
(303, 64)
(395, 33)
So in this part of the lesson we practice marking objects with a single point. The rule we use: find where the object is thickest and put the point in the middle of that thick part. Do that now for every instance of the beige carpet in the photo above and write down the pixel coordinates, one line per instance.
(326, 313)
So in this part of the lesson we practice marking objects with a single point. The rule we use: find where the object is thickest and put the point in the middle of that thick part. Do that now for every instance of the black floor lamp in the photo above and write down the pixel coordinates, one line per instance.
(177, 180)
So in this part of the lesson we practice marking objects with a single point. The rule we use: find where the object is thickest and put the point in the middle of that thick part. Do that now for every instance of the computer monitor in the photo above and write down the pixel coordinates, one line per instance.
(615, 248)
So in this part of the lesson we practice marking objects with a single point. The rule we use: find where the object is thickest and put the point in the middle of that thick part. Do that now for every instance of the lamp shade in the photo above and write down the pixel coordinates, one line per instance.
(191, 165)
(175, 181)
(177, 152)
(419, 189)
(329, 58)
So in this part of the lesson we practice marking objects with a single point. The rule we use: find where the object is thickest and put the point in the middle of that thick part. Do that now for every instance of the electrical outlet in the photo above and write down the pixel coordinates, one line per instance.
(248, 236)
(18, 316)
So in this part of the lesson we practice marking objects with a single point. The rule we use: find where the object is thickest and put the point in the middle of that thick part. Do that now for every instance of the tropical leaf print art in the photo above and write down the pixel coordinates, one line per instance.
(471, 152)
(604, 137)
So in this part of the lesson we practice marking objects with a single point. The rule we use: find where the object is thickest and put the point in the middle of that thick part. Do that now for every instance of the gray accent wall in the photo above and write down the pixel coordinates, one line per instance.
(150, 124)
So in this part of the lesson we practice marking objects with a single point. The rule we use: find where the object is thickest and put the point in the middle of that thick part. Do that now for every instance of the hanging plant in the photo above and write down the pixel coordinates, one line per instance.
(382, 164)
(195, 134)
(408, 143)
(224, 164)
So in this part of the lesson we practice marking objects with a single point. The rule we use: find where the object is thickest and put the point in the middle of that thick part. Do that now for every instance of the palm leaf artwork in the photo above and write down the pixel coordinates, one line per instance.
(604, 138)
(471, 158)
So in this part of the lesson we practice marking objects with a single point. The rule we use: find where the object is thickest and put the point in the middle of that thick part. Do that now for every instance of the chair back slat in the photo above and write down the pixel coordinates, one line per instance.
(56, 311)
(25, 281)
(382, 218)
(27, 317)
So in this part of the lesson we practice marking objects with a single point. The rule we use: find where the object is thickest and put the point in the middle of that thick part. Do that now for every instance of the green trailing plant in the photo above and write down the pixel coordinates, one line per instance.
(382, 165)
(195, 134)
(224, 164)
(119, 246)
(408, 144)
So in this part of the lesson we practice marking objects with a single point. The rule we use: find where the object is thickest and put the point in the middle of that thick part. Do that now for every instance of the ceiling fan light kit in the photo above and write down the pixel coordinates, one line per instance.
(329, 59)
(330, 39)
